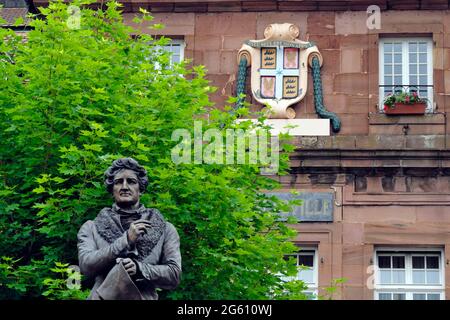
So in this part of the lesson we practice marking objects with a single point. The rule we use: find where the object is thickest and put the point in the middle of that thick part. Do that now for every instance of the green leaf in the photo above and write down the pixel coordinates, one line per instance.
(18, 22)
(39, 189)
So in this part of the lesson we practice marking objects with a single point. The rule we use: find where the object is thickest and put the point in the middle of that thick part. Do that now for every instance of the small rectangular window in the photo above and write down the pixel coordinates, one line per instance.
(307, 270)
(176, 48)
(409, 275)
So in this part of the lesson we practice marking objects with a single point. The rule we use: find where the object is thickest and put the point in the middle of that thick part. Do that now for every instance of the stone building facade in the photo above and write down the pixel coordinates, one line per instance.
(382, 182)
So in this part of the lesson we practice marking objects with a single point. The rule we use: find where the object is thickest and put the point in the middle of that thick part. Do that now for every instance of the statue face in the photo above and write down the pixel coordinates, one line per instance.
(126, 189)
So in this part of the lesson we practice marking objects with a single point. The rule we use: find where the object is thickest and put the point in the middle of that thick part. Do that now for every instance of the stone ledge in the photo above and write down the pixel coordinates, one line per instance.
(382, 119)
(367, 159)
(372, 142)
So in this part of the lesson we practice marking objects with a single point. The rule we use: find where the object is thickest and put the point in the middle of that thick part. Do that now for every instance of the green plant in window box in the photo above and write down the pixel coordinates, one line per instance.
(404, 102)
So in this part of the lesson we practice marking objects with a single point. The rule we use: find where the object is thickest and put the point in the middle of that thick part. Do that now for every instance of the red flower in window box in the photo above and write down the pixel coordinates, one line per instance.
(404, 103)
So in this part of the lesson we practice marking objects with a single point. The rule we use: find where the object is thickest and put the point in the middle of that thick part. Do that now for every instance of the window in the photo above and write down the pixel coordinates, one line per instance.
(406, 65)
(176, 47)
(409, 275)
(308, 270)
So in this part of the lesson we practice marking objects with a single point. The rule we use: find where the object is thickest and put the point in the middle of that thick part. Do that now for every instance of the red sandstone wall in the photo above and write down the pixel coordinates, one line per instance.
(350, 51)
(370, 217)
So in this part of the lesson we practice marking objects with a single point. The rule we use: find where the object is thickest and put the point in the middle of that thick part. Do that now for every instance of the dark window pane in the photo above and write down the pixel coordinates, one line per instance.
(384, 262)
(422, 46)
(398, 262)
(399, 296)
(385, 296)
(388, 47)
(419, 296)
(307, 260)
(432, 262)
(388, 58)
(418, 262)
(434, 296)
(388, 80)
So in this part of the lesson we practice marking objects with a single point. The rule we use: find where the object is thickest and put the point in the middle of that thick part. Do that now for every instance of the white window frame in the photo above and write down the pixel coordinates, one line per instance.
(176, 42)
(313, 287)
(405, 67)
(408, 288)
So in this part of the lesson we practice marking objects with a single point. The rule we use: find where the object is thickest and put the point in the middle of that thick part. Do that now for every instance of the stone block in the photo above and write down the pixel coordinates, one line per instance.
(226, 24)
(409, 129)
(321, 23)
(391, 215)
(357, 124)
(446, 39)
(352, 41)
(436, 215)
(425, 142)
(354, 275)
(331, 61)
(190, 7)
(427, 119)
(365, 61)
(161, 7)
(259, 6)
(326, 41)
(319, 142)
(439, 81)
(351, 60)
(439, 102)
(352, 233)
(211, 60)
(352, 254)
(224, 6)
(390, 142)
(351, 83)
(343, 142)
(438, 58)
(350, 22)
(299, 19)
(296, 6)
(228, 63)
(236, 42)
(412, 18)
(209, 42)
(181, 24)
(447, 81)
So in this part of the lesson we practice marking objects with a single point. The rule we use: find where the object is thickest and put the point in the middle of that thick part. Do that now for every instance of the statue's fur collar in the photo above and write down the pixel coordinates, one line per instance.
(109, 227)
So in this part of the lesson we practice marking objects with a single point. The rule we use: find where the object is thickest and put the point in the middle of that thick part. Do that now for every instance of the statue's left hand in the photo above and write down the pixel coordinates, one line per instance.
(130, 266)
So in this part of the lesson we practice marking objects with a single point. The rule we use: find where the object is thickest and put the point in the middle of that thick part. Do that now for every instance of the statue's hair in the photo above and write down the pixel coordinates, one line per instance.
(126, 163)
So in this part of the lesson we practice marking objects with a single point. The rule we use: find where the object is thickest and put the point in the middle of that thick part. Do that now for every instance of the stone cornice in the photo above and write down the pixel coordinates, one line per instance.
(371, 161)
(273, 5)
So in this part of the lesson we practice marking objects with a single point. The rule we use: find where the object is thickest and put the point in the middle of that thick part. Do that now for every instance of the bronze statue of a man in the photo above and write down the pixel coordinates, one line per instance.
(129, 249)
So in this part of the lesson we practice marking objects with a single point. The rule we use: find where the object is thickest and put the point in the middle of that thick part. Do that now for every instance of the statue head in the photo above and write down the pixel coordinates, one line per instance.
(126, 180)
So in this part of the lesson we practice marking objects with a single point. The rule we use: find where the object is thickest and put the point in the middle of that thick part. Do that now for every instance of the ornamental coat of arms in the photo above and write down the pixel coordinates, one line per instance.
(279, 68)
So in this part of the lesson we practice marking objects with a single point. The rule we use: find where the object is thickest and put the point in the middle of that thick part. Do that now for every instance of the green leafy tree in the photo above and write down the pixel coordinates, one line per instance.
(74, 99)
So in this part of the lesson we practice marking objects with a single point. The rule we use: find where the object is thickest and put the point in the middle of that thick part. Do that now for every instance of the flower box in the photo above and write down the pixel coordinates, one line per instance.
(406, 108)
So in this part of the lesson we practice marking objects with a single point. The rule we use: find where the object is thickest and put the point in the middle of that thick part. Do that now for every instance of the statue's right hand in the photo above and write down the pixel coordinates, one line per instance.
(136, 229)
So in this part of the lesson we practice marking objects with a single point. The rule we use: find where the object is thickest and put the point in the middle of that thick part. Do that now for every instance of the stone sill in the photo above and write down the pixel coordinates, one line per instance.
(428, 118)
